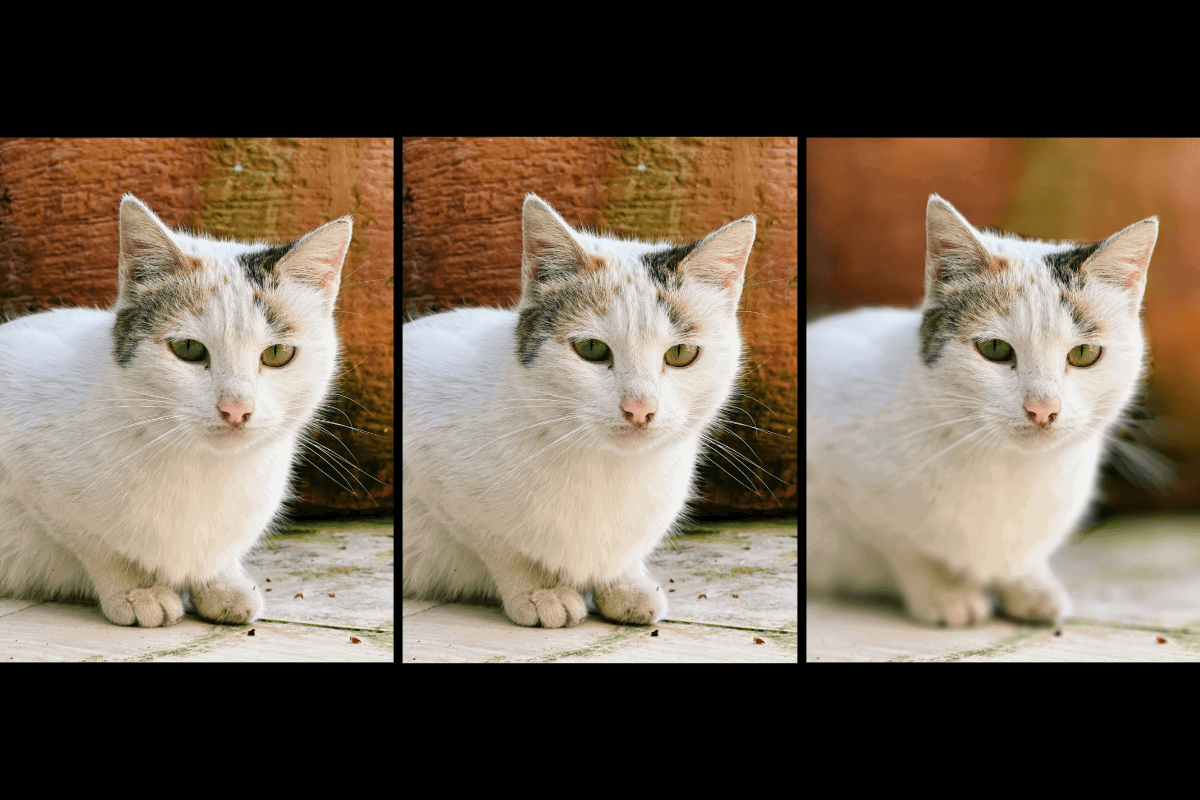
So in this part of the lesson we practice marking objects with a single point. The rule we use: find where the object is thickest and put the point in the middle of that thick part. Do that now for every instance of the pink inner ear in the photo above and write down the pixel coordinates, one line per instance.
(1140, 265)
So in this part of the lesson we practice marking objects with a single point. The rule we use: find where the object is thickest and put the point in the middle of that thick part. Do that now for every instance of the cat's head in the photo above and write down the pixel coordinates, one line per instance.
(632, 343)
(233, 344)
(1040, 343)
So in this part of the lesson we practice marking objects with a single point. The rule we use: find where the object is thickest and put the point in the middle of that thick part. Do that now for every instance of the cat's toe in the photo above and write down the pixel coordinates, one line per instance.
(1035, 598)
(631, 604)
(152, 607)
(955, 607)
(559, 607)
(234, 603)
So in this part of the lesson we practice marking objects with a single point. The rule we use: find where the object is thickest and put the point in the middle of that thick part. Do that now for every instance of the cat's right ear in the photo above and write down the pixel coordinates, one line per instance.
(146, 244)
(548, 243)
(951, 245)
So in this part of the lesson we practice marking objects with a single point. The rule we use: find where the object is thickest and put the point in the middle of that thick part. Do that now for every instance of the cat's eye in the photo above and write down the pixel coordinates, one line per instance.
(278, 355)
(994, 349)
(591, 349)
(1084, 355)
(188, 349)
(681, 355)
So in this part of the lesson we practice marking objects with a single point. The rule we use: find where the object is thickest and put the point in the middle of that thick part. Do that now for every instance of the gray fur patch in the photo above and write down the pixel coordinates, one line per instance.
(1064, 265)
(663, 265)
(260, 265)
(553, 303)
(149, 305)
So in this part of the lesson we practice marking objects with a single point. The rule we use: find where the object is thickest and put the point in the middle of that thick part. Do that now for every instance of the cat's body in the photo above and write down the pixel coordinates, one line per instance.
(144, 450)
(549, 450)
(951, 450)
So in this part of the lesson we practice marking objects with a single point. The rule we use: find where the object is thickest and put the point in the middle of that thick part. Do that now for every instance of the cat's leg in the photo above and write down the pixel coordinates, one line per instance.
(231, 598)
(530, 594)
(128, 595)
(1036, 596)
(635, 599)
(934, 593)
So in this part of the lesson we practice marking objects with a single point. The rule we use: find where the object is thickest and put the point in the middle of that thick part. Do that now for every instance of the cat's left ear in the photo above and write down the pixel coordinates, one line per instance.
(1124, 257)
(721, 256)
(316, 259)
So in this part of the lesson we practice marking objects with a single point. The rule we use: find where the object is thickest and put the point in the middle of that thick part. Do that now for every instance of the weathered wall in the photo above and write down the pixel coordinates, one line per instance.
(865, 245)
(59, 243)
(462, 246)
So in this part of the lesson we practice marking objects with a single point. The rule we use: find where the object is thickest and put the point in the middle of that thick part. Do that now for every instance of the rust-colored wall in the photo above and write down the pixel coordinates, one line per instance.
(462, 246)
(865, 245)
(59, 242)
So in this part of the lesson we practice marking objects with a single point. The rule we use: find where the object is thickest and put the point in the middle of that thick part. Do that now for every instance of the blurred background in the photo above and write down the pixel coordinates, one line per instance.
(59, 239)
(462, 247)
(865, 245)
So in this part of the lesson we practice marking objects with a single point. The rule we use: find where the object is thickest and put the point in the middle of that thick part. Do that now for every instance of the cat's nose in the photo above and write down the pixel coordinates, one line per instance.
(1042, 412)
(639, 412)
(235, 412)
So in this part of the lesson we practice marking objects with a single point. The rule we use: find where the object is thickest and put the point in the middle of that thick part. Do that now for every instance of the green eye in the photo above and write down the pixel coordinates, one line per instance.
(994, 349)
(1084, 355)
(681, 355)
(278, 355)
(188, 349)
(591, 349)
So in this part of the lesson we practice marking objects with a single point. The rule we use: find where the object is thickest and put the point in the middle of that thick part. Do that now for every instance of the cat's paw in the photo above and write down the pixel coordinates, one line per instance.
(234, 601)
(632, 604)
(955, 605)
(1037, 597)
(150, 607)
(558, 607)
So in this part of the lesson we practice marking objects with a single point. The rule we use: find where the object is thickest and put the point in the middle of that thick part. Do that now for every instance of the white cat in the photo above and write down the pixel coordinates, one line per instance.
(953, 449)
(145, 449)
(550, 449)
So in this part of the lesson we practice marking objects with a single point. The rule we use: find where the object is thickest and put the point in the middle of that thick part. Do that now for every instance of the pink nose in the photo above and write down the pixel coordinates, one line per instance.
(1042, 412)
(235, 412)
(639, 413)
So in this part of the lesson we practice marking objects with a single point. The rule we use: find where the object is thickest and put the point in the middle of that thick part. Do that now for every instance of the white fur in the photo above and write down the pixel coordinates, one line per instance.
(122, 483)
(931, 483)
(526, 483)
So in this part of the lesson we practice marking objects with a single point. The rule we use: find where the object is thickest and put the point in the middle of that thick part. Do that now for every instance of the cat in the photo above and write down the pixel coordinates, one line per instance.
(146, 448)
(951, 450)
(547, 450)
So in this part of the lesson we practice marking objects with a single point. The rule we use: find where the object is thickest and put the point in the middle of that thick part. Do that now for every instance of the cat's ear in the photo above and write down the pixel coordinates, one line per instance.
(146, 245)
(951, 244)
(721, 256)
(1124, 257)
(547, 243)
(317, 257)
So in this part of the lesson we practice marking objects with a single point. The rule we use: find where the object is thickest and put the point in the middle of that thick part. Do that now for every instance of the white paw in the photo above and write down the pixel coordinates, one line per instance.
(151, 607)
(956, 605)
(632, 604)
(559, 607)
(1035, 597)
(232, 602)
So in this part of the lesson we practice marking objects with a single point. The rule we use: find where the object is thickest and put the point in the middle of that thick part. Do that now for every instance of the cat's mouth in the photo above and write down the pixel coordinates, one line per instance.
(629, 439)
(1035, 438)
(226, 439)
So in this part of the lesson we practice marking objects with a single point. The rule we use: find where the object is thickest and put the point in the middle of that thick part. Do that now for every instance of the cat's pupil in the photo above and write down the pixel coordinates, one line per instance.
(1085, 355)
(995, 349)
(278, 355)
(591, 349)
(188, 349)
(681, 355)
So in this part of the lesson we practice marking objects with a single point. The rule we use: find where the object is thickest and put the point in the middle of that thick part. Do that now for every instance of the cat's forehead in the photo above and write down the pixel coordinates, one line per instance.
(225, 260)
(631, 289)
